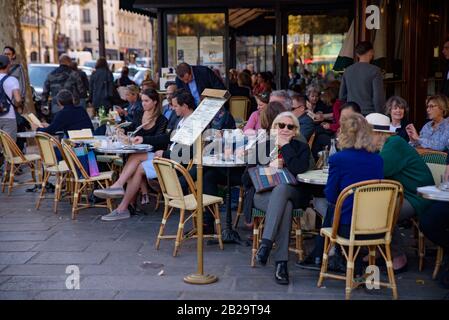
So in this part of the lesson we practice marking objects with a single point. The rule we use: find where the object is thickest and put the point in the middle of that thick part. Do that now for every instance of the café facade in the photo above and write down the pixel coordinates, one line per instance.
(282, 35)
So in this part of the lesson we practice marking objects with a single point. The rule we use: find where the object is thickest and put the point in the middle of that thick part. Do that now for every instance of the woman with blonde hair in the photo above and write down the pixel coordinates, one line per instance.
(283, 152)
(435, 134)
(357, 161)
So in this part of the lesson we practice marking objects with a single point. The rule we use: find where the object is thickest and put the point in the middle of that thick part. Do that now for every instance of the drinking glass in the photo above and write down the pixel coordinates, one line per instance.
(444, 185)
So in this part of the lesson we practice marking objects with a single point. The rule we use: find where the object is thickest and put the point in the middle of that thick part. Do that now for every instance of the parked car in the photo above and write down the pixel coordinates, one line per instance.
(139, 76)
(38, 73)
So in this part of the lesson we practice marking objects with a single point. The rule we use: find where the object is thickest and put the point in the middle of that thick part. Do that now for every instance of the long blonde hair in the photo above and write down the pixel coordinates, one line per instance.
(356, 132)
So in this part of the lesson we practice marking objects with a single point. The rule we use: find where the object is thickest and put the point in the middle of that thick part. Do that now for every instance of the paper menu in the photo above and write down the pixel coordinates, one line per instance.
(32, 119)
(80, 134)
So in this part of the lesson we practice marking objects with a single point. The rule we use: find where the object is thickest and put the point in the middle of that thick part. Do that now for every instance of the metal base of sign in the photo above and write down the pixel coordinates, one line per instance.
(200, 279)
(230, 236)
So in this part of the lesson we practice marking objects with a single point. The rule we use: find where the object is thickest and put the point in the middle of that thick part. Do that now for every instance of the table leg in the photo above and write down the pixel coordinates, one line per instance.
(229, 235)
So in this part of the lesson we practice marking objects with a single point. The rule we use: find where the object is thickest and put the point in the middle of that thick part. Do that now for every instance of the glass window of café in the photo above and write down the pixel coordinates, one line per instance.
(196, 38)
(313, 44)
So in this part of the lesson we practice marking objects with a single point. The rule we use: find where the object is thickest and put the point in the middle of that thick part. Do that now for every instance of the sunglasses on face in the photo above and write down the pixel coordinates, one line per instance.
(290, 127)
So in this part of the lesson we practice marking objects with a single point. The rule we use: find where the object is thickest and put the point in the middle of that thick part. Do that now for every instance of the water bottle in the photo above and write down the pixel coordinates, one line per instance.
(326, 155)
(108, 130)
(333, 148)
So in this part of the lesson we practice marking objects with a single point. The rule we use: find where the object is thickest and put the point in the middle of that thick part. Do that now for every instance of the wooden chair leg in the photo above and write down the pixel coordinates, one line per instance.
(372, 255)
(11, 178)
(299, 239)
(421, 249)
(390, 272)
(327, 247)
(349, 273)
(239, 208)
(76, 197)
(162, 227)
(5, 176)
(255, 240)
(218, 225)
(57, 193)
(43, 190)
(438, 262)
(179, 235)
(158, 199)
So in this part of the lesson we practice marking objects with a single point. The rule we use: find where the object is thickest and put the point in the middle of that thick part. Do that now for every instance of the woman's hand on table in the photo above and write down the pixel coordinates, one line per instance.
(137, 140)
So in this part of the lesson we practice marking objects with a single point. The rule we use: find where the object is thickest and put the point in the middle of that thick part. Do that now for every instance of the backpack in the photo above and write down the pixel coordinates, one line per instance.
(5, 101)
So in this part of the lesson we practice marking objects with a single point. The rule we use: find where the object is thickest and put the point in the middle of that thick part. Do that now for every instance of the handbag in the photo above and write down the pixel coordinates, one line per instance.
(88, 161)
(266, 178)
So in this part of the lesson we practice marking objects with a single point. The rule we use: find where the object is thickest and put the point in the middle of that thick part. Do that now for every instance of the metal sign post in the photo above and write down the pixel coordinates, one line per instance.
(190, 133)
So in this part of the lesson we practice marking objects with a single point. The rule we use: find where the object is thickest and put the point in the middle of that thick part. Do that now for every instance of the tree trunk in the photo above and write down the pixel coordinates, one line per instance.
(56, 28)
(11, 35)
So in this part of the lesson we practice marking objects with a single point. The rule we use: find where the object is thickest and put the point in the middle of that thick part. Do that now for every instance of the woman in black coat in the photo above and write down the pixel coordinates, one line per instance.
(101, 85)
(292, 154)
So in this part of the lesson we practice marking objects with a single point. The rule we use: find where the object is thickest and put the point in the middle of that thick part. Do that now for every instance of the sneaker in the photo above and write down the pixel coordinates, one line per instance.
(109, 193)
(116, 215)
(310, 263)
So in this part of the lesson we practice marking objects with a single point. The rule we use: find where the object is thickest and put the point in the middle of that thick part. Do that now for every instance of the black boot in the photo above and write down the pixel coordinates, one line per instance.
(264, 251)
(281, 275)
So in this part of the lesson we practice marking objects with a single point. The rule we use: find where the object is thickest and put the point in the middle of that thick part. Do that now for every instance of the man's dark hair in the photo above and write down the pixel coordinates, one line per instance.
(169, 83)
(183, 96)
(10, 49)
(125, 71)
(64, 97)
(102, 63)
(183, 69)
(351, 105)
(363, 47)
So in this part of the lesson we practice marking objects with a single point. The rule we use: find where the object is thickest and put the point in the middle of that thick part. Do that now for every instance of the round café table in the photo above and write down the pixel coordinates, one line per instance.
(433, 193)
(319, 178)
(316, 177)
(124, 149)
(228, 235)
(26, 134)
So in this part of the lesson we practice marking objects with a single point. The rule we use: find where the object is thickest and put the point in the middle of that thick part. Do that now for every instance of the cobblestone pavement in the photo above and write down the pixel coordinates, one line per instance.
(118, 260)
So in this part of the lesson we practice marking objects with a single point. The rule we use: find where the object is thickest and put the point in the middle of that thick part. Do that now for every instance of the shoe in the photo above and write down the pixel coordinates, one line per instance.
(401, 269)
(281, 274)
(208, 229)
(337, 264)
(262, 254)
(116, 215)
(109, 193)
(310, 263)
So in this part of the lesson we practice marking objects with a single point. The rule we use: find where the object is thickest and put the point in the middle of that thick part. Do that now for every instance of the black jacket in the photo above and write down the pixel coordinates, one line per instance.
(69, 118)
(205, 78)
(101, 88)
(445, 90)
(153, 135)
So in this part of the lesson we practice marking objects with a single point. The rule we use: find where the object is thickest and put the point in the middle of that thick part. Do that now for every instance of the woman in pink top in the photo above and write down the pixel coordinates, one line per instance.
(253, 123)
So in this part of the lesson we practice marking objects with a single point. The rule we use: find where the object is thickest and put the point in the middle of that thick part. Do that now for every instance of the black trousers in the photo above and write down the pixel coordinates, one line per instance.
(434, 223)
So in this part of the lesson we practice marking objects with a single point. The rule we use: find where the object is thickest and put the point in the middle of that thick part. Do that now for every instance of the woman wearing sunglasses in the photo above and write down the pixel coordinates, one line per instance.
(286, 152)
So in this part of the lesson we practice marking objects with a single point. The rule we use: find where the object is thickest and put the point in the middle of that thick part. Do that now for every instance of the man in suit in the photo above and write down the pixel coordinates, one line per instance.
(445, 89)
(195, 79)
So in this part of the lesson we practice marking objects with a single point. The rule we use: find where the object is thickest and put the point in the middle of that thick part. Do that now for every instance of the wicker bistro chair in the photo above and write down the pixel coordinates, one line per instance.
(436, 161)
(14, 158)
(174, 198)
(52, 166)
(82, 183)
(375, 209)
(239, 106)
(258, 224)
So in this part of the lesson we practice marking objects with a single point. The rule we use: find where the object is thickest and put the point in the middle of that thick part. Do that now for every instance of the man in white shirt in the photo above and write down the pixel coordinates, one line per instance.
(11, 87)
